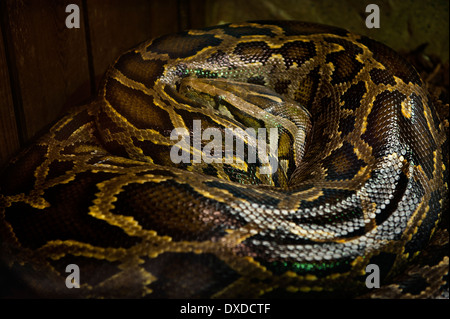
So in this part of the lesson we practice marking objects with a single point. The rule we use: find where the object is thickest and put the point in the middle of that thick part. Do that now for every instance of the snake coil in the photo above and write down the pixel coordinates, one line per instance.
(359, 178)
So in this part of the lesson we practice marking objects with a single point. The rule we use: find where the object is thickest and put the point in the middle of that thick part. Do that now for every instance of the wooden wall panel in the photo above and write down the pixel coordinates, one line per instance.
(116, 26)
(196, 13)
(9, 139)
(46, 67)
(49, 61)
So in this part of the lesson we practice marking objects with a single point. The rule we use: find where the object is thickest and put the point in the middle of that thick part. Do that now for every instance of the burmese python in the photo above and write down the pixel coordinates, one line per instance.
(359, 177)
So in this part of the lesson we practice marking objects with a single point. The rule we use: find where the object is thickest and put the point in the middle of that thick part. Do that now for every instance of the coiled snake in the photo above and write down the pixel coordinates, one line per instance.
(358, 177)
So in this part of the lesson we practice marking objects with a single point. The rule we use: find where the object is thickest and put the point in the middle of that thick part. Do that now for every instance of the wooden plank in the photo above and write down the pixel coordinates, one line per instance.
(197, 14)
(9, 139)
(165, 17)
(49, 60)
(116, 26)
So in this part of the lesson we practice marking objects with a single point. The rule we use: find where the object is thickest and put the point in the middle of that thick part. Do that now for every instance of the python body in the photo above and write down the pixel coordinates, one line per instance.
(359, 178)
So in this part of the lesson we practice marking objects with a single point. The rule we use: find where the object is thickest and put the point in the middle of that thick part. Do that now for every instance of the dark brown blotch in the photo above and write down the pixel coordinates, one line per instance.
(382, 131)
(297, 52)
(379, 76)
(18, 176)
(171, 209)
(139, 70)
(35, 227)
(353, 96)
(346, 66)
(392, 61)
(342, 163)
(138, 108)
(252, 52)
(347, 124)
(183, 44)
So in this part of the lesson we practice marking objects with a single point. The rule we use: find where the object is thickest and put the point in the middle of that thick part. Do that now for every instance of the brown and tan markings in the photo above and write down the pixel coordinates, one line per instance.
(361, 176)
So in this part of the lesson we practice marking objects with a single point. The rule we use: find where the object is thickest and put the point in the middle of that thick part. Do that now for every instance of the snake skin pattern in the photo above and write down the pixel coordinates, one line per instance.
(360, 179)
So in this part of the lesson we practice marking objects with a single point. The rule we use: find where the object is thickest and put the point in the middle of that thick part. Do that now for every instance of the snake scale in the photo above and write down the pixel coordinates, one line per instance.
(359, 177)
